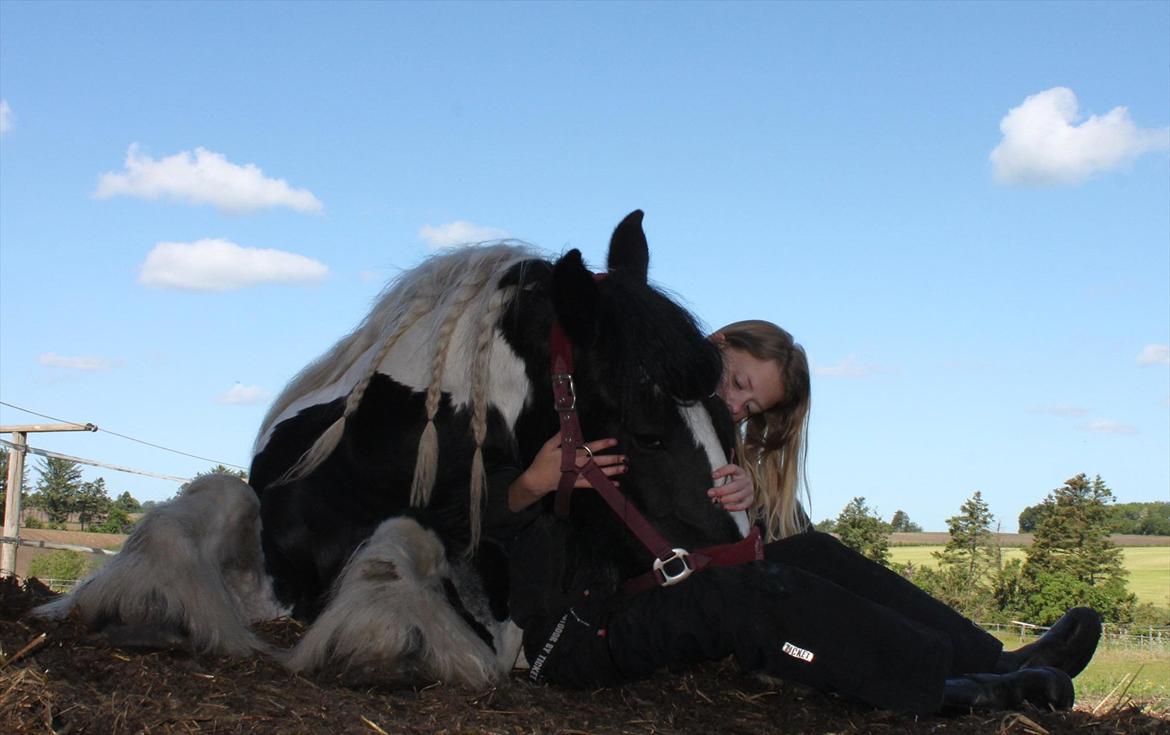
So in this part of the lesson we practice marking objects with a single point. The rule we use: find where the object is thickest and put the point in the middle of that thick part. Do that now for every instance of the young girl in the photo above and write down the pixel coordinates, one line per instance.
(814, 611)
(765, 386)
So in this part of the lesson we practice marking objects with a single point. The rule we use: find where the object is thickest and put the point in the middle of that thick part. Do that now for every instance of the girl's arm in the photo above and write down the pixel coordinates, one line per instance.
(544, 474)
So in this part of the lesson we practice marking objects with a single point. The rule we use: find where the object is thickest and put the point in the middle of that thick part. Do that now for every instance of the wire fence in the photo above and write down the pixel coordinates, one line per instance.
(1113, 634)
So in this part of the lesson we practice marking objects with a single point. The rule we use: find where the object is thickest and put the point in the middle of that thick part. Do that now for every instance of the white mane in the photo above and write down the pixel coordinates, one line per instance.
(455, 288)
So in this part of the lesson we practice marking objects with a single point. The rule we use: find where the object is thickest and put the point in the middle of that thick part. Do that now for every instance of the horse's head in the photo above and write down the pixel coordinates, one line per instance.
(644, 374)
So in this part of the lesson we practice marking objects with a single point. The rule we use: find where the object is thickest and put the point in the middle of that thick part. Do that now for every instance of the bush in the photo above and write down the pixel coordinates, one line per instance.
(60, 564)
(1145, 614)
(32, 523)
(118, 521)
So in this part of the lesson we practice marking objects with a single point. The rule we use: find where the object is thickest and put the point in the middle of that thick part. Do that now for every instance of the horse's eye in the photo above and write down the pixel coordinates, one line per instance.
(648, 441)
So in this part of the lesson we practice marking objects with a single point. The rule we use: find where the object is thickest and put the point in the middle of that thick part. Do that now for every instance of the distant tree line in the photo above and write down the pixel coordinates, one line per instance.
(61, 494)
(857, 509)
(1071, 560)
(1142, 519)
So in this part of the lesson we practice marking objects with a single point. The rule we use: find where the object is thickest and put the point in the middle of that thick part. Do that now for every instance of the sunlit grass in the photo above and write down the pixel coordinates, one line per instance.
(1148, 566)
(1149, 573)
(1107, 674)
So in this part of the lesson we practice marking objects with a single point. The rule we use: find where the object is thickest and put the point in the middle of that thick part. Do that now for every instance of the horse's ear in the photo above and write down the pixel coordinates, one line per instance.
(628, 251)
(574, 294)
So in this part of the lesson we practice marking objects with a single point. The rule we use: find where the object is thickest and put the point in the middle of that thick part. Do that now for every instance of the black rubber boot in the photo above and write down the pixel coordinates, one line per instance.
(1044, 688)
(1069, 645)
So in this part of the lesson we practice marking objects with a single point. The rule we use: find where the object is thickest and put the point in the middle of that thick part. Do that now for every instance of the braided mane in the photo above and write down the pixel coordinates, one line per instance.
(452, 293)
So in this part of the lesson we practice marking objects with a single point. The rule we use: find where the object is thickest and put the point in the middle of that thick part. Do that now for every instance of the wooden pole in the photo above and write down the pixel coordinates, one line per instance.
(20, 434)
(12, 503)
(29, 428)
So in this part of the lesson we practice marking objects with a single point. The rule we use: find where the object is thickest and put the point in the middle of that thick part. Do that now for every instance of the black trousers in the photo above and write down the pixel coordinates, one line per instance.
(813, 612)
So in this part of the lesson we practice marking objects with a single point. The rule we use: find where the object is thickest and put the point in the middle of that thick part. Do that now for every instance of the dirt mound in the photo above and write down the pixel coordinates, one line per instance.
(57, 678)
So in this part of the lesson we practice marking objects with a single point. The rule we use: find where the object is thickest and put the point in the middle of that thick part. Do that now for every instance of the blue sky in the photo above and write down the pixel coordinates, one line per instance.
(975, 322)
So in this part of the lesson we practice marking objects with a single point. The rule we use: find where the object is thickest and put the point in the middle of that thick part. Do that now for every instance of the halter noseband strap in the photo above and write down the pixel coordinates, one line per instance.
(671, 565)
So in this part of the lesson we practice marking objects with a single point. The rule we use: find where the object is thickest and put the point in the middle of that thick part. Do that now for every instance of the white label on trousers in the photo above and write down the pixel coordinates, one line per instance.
(797, 652)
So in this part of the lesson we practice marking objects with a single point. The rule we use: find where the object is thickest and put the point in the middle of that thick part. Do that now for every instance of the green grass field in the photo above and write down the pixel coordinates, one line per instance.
(1149, 567)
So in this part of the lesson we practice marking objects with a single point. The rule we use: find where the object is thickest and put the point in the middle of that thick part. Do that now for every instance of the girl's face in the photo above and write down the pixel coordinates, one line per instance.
(749, 385)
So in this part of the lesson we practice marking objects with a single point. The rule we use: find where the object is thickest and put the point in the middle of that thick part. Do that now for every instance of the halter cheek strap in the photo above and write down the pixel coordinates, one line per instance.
(671, 565)
(565, 403)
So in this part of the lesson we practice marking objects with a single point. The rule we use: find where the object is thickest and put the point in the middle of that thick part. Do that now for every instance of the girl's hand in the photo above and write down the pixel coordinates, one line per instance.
(544, 474)
(738, 493)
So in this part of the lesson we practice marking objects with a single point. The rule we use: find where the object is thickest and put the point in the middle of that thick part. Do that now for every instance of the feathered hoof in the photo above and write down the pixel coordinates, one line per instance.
(189, 576)
(391, 620)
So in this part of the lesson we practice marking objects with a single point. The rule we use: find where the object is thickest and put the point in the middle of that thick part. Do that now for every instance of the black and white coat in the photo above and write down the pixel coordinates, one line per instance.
(377, 511)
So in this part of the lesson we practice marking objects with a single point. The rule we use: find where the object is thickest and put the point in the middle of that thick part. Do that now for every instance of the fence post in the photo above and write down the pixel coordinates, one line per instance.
(15, 476)
(12, 503)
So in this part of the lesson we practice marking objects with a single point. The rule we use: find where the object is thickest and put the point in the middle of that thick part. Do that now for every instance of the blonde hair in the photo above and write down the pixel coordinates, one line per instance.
(772, 445)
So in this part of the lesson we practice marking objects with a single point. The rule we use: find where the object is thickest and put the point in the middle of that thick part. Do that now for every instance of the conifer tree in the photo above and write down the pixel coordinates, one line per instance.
(127, 503)
(862, 530)
(92, 503)
(1072, 560)
(969, 564)
(57, 489)
(971, 546)
(219, 469)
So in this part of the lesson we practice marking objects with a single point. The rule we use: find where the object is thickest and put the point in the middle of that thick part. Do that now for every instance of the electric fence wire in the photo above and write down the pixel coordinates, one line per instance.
(91, 427)
(90, 462)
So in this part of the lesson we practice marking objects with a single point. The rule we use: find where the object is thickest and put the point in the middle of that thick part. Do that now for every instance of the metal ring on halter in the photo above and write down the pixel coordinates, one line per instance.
(588, 452)
(674, 576)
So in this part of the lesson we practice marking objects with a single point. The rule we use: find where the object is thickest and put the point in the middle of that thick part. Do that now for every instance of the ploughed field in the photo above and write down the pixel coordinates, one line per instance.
(57, 678)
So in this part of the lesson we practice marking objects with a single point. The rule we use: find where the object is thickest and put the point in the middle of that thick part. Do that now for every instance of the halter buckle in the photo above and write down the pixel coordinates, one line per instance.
(677, 575)
(563, 401)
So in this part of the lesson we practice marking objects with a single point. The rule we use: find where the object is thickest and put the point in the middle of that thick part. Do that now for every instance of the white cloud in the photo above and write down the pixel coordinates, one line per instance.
(1061, 410)
(1108, 426)
(1154, 355)
(459, 233)
(83, 362)
(203, 177)
(1042, 145)
(849, 368)
(5, 117)
(220, 265)
(242, 395)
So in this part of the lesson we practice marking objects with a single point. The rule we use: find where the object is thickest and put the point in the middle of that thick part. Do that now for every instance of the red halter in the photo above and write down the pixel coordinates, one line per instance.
(671, 564)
